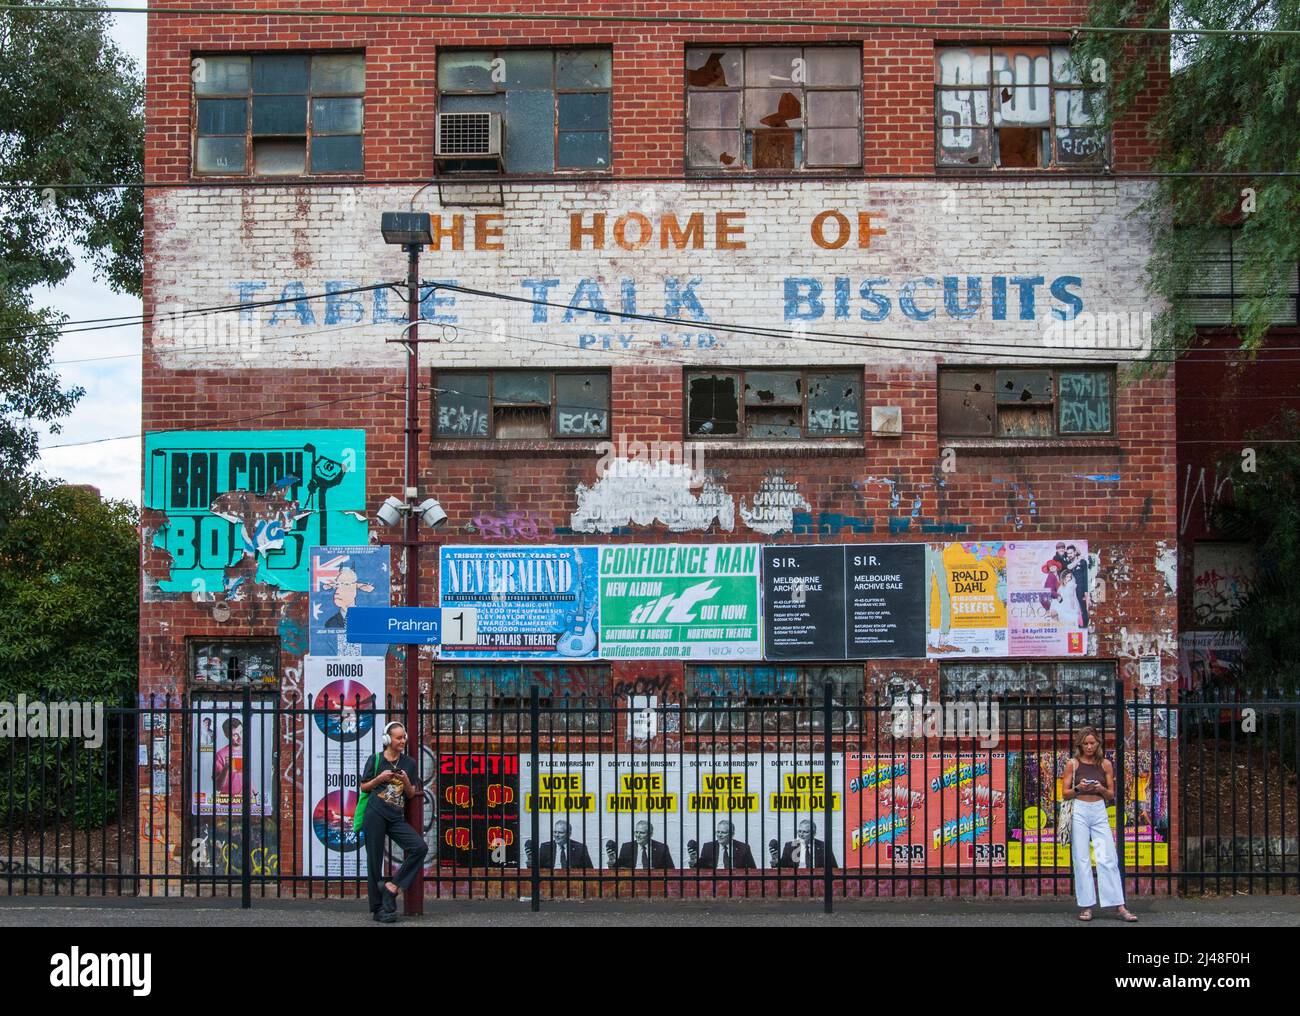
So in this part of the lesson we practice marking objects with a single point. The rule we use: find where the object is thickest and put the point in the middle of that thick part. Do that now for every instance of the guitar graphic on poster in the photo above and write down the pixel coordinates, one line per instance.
(579, 639)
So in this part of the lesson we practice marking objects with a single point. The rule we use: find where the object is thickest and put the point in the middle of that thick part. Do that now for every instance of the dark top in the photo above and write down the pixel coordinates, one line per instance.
(1088, 771)
(388, 798)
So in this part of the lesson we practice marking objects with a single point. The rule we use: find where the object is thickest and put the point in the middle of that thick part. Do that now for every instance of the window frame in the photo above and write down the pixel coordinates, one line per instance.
(1102, 164)
(741, 168)
(1110, 369)
(439, 376)
(1027, 712)
(803, 372)
(745, 712)
(556, 91)
(308, 135)
(583, 717)
(195, 684)
(1234, 297)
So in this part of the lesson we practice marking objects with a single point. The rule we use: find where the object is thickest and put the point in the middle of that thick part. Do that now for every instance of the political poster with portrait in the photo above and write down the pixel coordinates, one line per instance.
(343, 732)
(343, 578)
(723, 815)
(967, 585)
(795, 790)
(229, 761)
(680, 601)
(519, 603)
(571, 821)
(619, 812)
(1048, 584)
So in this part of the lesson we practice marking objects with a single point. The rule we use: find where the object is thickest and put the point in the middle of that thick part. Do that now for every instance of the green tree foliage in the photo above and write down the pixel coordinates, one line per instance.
(1232, 106)
(69, 618)
(1264, 511)
(71, 113)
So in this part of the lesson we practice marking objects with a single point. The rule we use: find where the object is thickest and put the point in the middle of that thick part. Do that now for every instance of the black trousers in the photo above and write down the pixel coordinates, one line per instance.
(378, 828)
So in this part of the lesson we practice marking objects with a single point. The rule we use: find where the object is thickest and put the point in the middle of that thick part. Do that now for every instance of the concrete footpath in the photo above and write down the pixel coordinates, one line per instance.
(1273, 911)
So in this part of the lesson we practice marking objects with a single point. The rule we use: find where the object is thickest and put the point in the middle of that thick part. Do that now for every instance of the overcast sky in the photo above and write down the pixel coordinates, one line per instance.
(111, 405)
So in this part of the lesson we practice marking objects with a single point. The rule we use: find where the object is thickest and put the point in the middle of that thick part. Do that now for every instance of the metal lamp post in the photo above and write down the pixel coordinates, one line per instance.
(412, 230)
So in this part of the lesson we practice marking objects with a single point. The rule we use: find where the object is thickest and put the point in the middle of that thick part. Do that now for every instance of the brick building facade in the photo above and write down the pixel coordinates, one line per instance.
(814, 230)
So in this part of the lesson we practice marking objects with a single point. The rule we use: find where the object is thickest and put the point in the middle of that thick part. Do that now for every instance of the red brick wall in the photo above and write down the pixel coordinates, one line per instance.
(1014, 493)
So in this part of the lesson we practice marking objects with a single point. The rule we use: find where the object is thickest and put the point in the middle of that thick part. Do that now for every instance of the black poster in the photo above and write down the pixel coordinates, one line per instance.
(803, 603)
(885, 597)
(856, 602)
(478, 810)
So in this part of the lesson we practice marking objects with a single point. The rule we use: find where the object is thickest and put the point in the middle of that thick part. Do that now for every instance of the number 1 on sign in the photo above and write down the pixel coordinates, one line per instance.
(459, 626)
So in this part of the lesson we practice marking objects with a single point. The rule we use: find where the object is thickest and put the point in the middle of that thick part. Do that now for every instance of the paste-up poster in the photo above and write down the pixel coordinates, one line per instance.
(927, 808)
(526, 603)
(231, 495)
(968, 599)
(343, 733)
(680, 601)
(1048, 604)
(343, 578)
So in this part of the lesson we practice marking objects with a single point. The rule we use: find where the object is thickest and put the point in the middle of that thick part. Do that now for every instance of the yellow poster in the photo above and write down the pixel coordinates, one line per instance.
(968, 599)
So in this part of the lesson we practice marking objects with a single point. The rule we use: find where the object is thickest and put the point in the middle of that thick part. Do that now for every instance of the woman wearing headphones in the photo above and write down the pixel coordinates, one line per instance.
(391, 779)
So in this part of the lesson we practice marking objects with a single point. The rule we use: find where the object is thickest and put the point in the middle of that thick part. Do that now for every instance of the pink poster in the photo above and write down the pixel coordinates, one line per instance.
(1048, 605)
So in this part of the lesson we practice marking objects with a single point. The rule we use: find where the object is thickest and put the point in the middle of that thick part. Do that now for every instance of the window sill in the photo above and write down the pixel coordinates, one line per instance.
(215, 178)
(551, 448)
(560, 175)
(807, 448)
(1027, 171)
(818, 173)
(1030, 445)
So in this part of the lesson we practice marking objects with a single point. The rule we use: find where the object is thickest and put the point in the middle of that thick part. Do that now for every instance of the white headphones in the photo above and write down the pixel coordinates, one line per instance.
(395, 723)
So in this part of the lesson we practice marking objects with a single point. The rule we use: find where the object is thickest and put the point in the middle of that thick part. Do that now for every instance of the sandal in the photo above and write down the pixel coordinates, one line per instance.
(1085, 915)
(1126, 916)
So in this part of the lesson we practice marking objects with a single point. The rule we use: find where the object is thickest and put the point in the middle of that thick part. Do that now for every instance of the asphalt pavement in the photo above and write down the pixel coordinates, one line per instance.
(1274, 911)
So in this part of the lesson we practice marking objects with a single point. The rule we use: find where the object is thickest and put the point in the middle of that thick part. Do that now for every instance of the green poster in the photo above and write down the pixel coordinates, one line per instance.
(229, 495)
(680, 601)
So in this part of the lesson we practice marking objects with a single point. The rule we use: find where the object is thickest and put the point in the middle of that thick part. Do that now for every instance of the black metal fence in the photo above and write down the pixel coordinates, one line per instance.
(656, 795)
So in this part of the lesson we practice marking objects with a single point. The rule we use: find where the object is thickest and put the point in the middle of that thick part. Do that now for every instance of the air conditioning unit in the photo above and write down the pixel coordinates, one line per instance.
(469, 136)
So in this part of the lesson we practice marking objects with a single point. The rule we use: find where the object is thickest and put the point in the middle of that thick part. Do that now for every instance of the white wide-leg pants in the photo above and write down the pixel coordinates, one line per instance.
(1091, 825)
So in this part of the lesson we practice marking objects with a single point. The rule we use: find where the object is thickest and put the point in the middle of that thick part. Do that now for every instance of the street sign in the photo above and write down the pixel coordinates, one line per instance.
(416, 626)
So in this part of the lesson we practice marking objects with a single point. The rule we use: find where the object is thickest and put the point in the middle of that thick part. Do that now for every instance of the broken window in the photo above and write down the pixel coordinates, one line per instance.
(1218, 282)
(1037, 696)
(521, 404)
(554, 104)
(574, 697)
(731, 698)
(234, 661)
(1026, 402)
(773, 404)
(781, 108)
(1016, 107)
(283, 114)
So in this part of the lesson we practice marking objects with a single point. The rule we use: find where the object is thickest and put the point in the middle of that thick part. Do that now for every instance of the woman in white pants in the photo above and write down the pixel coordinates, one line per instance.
(1090, 783)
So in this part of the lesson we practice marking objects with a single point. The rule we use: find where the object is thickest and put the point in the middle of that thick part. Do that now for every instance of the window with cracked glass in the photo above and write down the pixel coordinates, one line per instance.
(766, 404)
(773, 108)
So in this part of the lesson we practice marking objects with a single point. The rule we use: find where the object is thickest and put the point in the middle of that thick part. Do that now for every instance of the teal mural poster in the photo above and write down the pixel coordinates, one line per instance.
(271, 495)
